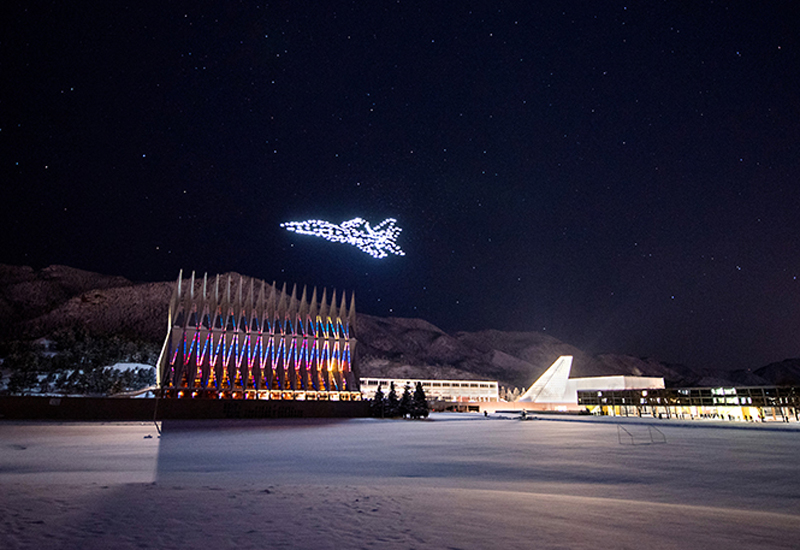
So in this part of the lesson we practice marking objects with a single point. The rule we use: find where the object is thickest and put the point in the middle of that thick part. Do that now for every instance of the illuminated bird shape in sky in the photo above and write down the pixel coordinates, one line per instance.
(376, 241)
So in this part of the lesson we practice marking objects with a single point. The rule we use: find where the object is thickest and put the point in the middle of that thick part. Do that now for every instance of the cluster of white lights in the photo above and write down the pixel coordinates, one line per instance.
(376, 241)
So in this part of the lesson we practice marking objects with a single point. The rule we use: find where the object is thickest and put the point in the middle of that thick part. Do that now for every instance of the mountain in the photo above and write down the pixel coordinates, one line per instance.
(36, 304)
(781, 373)
(26, 294)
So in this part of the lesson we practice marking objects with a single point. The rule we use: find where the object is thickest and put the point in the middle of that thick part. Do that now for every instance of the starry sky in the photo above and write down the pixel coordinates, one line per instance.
(624, 176)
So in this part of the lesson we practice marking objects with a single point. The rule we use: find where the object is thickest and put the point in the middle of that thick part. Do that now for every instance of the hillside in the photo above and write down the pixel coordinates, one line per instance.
(36, 304)
(26, 294)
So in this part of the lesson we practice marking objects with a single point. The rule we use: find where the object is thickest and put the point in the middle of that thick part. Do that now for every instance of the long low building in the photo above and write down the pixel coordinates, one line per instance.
(749, 403)
(462, 391)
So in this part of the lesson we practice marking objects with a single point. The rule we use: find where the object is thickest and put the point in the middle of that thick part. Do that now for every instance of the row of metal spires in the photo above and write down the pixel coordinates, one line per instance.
(270, 302)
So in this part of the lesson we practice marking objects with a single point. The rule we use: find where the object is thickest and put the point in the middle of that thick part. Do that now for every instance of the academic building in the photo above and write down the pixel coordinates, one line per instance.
(246, 339)
(459, 391)
(748, 403)
(646, 396)
(555, 391)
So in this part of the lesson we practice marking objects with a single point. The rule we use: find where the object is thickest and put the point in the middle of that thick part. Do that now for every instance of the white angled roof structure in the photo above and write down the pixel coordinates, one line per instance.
(552, 386)
(555, 385)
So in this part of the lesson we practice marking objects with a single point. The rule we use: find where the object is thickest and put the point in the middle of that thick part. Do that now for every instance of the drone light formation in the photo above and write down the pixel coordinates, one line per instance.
(378, 241)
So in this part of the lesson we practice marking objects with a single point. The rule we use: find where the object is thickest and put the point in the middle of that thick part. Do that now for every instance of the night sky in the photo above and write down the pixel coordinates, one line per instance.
(622, 176)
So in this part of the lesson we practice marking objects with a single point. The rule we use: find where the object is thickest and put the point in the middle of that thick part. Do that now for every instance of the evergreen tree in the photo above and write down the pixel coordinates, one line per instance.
(76, 362)
(392, 404)
(419, 405)
(378, 404)
(405, 402)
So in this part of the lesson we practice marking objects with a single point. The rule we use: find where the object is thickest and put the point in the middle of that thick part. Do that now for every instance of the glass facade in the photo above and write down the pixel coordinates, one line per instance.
(749, 403)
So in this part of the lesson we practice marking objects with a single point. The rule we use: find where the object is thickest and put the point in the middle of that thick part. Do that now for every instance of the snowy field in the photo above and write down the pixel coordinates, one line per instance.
(455, 481)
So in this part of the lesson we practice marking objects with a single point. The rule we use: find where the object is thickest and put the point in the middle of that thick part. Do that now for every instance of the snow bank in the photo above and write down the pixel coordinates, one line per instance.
(122, 367)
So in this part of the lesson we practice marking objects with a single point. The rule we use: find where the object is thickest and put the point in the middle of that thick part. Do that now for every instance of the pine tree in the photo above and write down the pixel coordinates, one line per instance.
(419, 405)
(392, 404)
(405, 402)
(378, 404)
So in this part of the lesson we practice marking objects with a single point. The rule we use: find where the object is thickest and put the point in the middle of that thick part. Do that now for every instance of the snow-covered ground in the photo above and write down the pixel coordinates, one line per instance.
(456, 481)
